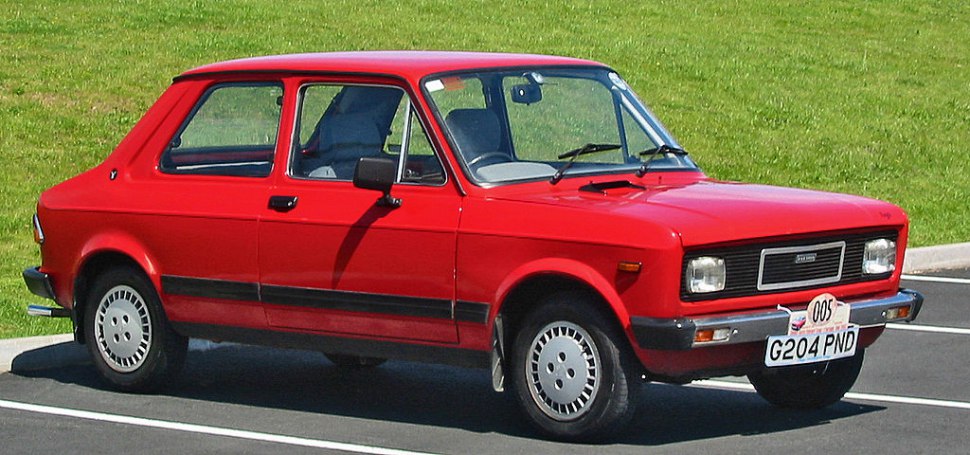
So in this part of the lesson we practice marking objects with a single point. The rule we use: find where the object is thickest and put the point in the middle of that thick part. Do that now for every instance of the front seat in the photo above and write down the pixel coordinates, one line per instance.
(476, 132)
(344, 139)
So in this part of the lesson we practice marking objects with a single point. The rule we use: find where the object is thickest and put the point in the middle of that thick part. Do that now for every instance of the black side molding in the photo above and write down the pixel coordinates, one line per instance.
(215, 289)
(471, 312)
(399, 305)
(357, 301)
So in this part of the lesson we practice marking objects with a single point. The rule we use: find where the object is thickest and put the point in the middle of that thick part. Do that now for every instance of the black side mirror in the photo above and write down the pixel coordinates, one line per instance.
(377, 174)
(526, 93)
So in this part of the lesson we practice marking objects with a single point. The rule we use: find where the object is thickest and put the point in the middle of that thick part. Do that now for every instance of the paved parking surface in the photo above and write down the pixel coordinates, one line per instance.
(238, 399)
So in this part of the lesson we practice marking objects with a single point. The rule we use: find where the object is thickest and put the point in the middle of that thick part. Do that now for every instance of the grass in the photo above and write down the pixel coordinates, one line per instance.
(871, 98)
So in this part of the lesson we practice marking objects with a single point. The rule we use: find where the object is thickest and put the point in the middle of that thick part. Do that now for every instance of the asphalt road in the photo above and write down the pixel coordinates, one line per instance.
(238, 399)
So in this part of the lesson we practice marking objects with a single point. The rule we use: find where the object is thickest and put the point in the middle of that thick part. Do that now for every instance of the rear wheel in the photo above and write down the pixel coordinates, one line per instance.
(808, 386)
(127, 334)
(573, 374)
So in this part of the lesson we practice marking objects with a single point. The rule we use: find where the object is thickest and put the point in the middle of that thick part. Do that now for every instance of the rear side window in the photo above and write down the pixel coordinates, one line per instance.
(231, 131)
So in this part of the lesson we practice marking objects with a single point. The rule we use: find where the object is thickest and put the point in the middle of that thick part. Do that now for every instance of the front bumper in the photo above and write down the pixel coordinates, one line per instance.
(746, 327)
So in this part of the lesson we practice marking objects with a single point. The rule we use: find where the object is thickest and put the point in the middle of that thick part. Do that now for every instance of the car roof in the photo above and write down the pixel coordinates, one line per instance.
(408, 64)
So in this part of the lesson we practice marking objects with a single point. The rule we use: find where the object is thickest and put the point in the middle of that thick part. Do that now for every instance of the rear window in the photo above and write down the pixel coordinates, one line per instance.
(231, 131)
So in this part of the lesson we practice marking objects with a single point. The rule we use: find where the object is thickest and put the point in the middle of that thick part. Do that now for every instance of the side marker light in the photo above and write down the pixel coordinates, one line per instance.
(629, 266)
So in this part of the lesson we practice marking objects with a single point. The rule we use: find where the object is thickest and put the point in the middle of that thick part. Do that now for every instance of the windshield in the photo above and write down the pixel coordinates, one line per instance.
(515, 125)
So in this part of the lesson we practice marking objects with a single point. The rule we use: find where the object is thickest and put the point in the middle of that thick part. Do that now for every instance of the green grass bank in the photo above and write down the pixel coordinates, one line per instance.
(870, 98)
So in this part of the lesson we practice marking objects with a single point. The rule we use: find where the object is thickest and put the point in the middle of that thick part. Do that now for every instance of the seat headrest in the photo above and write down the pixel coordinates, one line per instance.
(476, 131)
(345, 130)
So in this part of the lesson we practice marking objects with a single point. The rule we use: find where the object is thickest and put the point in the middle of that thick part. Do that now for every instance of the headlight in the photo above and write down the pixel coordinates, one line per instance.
(705, 274)
(879, 257)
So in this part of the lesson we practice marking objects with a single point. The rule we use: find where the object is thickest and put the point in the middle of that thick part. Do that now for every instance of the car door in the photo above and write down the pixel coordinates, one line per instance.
(331, 258)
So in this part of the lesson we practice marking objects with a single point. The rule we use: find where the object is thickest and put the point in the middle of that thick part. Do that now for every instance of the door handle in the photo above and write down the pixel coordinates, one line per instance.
(282, 203)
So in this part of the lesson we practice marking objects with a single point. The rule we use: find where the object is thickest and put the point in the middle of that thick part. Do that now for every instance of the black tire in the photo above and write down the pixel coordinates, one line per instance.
(131, 356)
(354, 361)
(568, 396)
(809, 386)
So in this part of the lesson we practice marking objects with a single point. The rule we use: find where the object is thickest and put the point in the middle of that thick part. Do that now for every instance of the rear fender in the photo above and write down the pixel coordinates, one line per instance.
(124, 244)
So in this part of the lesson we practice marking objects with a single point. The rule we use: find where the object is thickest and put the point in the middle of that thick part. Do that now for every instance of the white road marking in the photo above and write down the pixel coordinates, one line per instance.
(851, 395)
(936, 279)
(204, 429)
(928, 328)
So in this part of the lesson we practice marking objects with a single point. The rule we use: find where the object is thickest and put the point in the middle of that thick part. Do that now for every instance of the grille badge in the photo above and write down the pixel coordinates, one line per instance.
(805, 258)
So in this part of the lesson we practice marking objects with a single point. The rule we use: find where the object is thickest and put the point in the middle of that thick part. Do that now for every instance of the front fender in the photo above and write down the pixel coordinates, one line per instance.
(568, 268)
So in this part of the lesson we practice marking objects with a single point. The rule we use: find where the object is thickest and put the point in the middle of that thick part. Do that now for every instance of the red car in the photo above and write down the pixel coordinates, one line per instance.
(524, 214)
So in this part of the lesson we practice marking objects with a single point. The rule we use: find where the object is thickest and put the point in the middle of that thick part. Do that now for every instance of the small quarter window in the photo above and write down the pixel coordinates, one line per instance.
(408, 136)
(231, 131)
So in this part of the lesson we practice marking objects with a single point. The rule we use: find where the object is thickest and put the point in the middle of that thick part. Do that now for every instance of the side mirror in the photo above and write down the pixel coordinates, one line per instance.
(526, 93)
(377, 174)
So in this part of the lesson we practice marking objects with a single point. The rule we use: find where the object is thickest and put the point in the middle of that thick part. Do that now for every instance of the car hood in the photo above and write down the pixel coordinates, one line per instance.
(706, 211)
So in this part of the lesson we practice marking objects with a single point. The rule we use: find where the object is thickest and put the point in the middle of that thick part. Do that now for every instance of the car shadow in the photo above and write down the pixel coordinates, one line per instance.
(51, 356)
(352, 240)
(441, 396)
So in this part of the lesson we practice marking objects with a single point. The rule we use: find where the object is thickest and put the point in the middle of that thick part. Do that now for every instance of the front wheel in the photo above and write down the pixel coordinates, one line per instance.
(127, 334)
(573, 374)
(808, 386)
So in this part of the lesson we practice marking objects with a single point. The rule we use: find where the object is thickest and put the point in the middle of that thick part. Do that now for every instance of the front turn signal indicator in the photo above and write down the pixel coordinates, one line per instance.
(712, 335)
(629, 266)
(901, 312)
(704, 336)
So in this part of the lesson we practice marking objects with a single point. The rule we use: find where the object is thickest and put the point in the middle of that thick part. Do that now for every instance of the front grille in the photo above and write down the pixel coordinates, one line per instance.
(773, 267)
(796, 266)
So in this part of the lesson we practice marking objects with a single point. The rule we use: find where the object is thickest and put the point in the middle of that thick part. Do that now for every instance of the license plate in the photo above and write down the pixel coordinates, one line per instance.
(785, 350)
(820, 332)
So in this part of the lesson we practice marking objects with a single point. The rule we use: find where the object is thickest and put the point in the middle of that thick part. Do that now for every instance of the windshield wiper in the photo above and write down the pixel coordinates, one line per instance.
(575, 153)
(654, 152)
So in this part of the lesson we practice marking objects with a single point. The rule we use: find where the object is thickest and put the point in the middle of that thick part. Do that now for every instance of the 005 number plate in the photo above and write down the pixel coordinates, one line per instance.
(818, 333)
(784, 350)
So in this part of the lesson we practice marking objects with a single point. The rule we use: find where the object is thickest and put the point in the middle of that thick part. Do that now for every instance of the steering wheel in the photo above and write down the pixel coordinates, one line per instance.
(504, 157)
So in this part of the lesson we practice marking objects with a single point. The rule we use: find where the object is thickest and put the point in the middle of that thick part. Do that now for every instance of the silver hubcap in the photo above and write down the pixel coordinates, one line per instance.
(563, 370)
(123, 329)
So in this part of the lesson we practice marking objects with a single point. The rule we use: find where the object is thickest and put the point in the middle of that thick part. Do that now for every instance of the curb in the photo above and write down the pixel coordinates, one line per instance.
(36, 353)
(939, 257)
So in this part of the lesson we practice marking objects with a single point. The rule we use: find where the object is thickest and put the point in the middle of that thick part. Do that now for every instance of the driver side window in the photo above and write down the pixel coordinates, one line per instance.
(339, 124)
